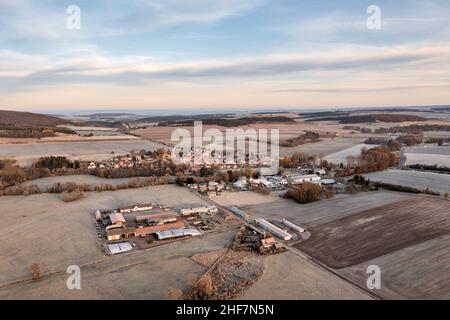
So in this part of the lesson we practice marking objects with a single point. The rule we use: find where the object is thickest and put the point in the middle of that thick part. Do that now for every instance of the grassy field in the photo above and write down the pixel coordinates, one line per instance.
(42, 228)
(341, 156)
(289, 276)
(44, 183)
(415, 179)
(428, 155)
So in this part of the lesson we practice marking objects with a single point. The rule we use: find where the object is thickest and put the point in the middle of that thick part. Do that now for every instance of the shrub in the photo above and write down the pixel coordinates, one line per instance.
(174, 294)
(305, 193)
(72, 196)
(201, 289)
(36, 272)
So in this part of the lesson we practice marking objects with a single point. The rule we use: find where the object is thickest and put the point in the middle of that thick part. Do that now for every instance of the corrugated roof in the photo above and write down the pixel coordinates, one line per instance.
(162, 227)
(116, 218)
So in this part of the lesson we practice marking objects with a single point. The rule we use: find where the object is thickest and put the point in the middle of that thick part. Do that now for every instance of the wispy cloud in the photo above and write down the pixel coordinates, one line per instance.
(97, 68)
(31, 20)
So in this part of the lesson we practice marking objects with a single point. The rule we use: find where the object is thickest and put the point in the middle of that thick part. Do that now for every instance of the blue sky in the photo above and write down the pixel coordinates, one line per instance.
(225, 53)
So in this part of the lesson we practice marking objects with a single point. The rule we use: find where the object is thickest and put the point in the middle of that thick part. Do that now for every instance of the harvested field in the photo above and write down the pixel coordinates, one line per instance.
(428, 155)
(341, 156)
(379, 231)
(163, 134)
(25, 154)
(324, 147)
(415, 179)
(244, 198)
(421, 271)
(316, 213)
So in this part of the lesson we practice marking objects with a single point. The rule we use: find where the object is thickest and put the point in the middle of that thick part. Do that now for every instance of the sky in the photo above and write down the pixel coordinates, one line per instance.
(206, 55)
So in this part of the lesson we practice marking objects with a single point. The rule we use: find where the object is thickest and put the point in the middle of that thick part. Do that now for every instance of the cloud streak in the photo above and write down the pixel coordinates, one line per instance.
(104, 69)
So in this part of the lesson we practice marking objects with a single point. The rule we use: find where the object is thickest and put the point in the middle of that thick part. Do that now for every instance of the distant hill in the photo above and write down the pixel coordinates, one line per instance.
(29, 119)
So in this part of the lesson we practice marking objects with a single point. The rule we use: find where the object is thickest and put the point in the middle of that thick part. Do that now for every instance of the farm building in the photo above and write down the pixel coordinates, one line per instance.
(299, 179)
(175, 233)
(136, 208)
(280, 233)
(261, 182)
(116, 248)
(143, 231)
(162, 218)
(327, 181)
(117, 218)
(198, 210)
(278, 180)
(119, 233)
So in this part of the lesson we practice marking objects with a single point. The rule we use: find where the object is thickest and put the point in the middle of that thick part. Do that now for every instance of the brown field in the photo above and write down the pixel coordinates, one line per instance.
(379, 231)
(421, 271)
(287, 130)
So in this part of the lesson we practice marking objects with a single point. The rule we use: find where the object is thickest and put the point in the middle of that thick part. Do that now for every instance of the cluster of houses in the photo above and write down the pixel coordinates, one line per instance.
(279, 182)
(211, 188)
(124, 162)
(199, 157)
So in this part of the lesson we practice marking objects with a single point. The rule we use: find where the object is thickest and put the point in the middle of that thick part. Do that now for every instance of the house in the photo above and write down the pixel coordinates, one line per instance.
(321, 172)
(240, 184)
(117, 218)
(212, 209)
(299, 179)
(202, 187)
(261, 182)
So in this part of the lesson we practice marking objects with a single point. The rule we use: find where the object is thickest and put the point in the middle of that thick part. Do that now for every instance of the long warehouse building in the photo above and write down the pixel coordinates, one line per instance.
(280, 233)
